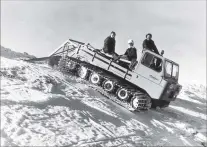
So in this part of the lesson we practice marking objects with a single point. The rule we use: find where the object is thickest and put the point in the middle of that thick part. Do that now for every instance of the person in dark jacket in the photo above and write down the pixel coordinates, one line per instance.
(130, 54)
(149, 44)
(109, 45)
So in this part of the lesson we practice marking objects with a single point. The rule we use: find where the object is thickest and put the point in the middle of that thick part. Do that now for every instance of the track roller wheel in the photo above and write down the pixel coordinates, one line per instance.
(71, 65)
(140, 101)
(137, 103)
(82, 72)
(108, 85)
(95, 78)
(122, 94)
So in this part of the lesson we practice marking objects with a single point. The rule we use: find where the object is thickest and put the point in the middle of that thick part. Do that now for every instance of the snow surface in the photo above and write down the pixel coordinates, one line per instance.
(42, 107)
(8, 53)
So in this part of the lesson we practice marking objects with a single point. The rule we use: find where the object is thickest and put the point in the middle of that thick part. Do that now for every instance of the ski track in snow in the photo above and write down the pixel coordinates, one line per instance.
(43, 107)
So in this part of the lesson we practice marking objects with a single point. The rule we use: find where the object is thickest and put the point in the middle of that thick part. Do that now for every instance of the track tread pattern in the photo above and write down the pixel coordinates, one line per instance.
(144, 100)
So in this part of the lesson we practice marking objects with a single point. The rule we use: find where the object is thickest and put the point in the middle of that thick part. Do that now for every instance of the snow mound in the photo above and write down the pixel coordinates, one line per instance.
(8, 53)
(197, 91)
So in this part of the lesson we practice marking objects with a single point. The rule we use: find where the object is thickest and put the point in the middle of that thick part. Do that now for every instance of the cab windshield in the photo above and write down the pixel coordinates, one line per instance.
(171, 70)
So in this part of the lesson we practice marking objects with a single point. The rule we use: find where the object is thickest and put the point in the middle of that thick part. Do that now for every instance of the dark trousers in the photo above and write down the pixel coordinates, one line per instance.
(114, 54)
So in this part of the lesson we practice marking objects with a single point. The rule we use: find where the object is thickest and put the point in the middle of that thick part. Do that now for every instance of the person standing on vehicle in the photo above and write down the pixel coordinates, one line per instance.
(109, 45)
(149, 44)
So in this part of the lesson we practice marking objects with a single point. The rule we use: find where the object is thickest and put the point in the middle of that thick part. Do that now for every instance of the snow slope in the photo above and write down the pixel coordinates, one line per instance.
(42, 107)
(8, 53)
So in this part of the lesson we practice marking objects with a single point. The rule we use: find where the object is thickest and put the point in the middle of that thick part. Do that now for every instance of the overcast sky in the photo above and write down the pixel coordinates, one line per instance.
(178, 27)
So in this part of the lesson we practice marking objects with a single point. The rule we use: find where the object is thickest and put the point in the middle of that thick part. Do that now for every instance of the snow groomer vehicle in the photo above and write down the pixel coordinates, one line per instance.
(152, 82)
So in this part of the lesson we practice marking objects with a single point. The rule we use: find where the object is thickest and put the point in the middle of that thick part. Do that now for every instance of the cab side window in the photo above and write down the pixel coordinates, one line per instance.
(152, 62)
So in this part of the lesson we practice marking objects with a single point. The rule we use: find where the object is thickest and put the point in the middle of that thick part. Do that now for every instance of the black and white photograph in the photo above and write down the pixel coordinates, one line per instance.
(103, 73)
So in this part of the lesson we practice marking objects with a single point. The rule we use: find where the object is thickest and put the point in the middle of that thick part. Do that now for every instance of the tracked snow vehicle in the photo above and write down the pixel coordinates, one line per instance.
(152, 82)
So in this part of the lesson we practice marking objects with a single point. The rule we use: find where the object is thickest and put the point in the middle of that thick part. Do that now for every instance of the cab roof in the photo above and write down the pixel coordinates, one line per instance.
(162, 57)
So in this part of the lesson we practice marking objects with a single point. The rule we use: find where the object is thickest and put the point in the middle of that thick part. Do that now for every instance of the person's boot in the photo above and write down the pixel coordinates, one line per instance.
(132, 65)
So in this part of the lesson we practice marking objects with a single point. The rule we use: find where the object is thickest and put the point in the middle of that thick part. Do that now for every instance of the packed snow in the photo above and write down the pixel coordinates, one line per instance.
(8, 53)
(40, 106)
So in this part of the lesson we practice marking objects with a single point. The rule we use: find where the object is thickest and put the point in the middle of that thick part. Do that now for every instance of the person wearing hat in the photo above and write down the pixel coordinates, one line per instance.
(149, 44)
(130, 54)
(109, 45)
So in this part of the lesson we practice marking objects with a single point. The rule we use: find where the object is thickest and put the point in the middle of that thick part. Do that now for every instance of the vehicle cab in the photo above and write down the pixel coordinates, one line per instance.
(157, 75)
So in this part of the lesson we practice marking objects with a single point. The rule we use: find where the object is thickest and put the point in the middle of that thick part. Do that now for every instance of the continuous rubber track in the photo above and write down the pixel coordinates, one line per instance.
(136, 99)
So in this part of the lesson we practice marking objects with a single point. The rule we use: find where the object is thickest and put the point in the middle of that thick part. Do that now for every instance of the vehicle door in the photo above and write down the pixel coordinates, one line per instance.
(151, 68)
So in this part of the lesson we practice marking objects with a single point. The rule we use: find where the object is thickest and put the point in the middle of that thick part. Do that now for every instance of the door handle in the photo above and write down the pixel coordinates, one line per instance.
(153, 77)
